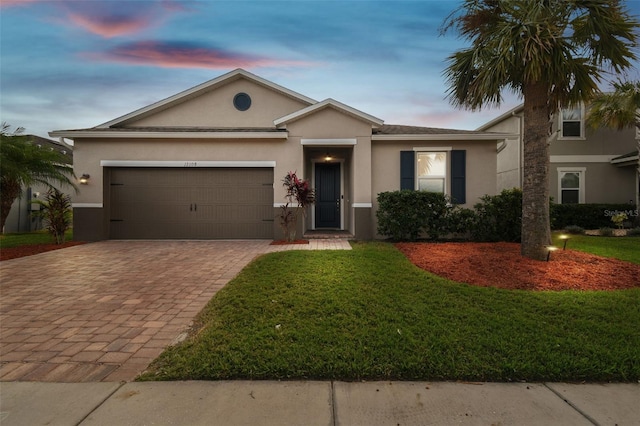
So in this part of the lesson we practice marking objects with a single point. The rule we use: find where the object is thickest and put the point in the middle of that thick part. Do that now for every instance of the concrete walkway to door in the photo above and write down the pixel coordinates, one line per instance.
(103, 311)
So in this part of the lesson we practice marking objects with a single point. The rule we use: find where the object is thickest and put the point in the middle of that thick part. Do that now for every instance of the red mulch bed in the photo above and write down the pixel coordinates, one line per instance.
(22, 251)
(501, 265)
(284, 242)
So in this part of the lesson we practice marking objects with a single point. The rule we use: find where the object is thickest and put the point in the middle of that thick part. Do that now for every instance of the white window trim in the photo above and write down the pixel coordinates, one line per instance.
(581, 189)
(428, 150)
(582, 126)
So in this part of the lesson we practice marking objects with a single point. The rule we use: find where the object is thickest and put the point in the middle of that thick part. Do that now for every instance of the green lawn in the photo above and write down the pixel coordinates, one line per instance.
(29, 238)
(623, 248)
(370, 314)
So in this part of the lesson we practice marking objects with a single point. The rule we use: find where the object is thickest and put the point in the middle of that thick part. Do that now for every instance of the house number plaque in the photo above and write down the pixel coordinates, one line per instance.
(190, 164)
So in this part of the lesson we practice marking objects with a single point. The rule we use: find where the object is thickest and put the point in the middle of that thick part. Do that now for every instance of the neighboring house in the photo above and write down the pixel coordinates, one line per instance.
(208, 163)
(20, 218)
(586, 165)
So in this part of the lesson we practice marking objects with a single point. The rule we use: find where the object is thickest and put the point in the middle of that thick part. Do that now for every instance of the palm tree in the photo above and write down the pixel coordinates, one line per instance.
(553, 53)
(618, 110)
(22, 164)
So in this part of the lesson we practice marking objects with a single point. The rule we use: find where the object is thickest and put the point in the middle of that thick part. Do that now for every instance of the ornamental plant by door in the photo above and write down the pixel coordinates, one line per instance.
(300, 192)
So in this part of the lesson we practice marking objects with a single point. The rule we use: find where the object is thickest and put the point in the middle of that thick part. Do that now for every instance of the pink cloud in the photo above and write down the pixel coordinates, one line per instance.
(185, 55)
(12, 3)
(118, 18)
(110, 26)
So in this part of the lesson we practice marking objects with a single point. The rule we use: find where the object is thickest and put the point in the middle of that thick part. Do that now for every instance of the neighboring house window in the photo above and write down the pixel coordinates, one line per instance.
(572, 123)
(432, 171)
(571, 185)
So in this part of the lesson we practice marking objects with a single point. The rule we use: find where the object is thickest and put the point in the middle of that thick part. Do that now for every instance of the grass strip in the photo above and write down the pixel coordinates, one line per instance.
(623, 248)
(30, 238)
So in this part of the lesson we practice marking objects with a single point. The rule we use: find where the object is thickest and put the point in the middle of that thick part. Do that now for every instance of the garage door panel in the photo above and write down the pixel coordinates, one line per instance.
(191, 203)
(233, 213)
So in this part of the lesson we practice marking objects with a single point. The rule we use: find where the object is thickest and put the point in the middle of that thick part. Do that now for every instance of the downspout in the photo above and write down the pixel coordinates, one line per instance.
(503, 146)
(638, 172)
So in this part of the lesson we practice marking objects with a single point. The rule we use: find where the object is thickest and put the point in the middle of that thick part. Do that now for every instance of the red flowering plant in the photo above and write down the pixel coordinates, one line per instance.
(300, 192)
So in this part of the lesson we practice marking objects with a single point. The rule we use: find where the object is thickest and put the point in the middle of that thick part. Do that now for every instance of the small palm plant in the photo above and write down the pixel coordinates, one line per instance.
(56, 213)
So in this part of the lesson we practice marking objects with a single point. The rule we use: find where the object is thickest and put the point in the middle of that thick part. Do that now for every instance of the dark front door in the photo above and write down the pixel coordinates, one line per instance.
(327, 195)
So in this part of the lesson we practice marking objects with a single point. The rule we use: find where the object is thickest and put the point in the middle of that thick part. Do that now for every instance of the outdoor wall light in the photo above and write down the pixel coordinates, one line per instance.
(84, 179)
(328, 157)
(565, 238)
(549, 250)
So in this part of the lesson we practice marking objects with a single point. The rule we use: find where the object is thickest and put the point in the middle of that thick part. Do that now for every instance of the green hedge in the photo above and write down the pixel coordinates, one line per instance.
(589, 216)
(408, 215)
(499, 217)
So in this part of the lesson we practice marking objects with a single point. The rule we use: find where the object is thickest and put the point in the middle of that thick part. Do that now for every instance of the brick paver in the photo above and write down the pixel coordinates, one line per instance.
(104, 311)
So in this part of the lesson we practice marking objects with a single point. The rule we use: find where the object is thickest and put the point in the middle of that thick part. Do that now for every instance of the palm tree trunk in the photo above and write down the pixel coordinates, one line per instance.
(536, 228)
(10, 190)
(637, 218)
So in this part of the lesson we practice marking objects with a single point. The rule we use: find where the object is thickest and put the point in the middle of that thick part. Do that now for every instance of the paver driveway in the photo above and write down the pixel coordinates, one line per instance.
(104, 311)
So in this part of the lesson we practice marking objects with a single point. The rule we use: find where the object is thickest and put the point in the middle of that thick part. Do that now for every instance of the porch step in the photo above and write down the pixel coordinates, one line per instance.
(327, 234)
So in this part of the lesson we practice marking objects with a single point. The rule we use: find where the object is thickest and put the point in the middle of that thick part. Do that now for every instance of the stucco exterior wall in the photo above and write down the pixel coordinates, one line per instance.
(88, 154)
(480, 168)
(509, 153)
(604, 183)
(480, 171)
(215, 108)
(597, 142)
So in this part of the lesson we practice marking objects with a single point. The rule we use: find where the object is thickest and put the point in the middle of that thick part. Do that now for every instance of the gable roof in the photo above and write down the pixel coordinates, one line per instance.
(392, 132)
(199, 90)
(52, 145)
(518, 109)
(328, 103)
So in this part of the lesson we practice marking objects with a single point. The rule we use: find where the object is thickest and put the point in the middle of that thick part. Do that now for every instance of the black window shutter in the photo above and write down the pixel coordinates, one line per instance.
(458, 178)
(407, 170)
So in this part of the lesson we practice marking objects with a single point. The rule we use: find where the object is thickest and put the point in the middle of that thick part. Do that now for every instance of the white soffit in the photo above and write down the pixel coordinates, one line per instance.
(71, 134)
(185, 163)
(324, 142)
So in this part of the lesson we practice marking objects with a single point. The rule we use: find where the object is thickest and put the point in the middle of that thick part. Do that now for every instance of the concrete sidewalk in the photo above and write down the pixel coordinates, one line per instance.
(232, 403)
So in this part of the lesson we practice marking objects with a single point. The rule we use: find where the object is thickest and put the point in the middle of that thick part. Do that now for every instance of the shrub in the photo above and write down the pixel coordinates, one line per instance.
(587, 216)
(633, 232)
(300, 191)
(619, 219)
(606, 232)
(407, 214)
(56, 213)
(574, 229)
(461, 221)
(499, 217)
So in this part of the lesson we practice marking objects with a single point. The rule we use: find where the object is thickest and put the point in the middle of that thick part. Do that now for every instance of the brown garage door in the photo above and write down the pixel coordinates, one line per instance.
(197, 203)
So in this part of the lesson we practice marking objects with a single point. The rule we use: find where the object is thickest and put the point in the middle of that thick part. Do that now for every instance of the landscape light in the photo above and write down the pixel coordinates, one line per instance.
(549, 250)
(565, 238)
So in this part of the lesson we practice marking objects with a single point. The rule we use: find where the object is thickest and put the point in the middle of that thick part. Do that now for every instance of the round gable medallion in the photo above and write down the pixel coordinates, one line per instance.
(242, 101)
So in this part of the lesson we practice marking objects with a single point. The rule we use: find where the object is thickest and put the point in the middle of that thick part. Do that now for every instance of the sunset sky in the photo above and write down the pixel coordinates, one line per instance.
(76, 64)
